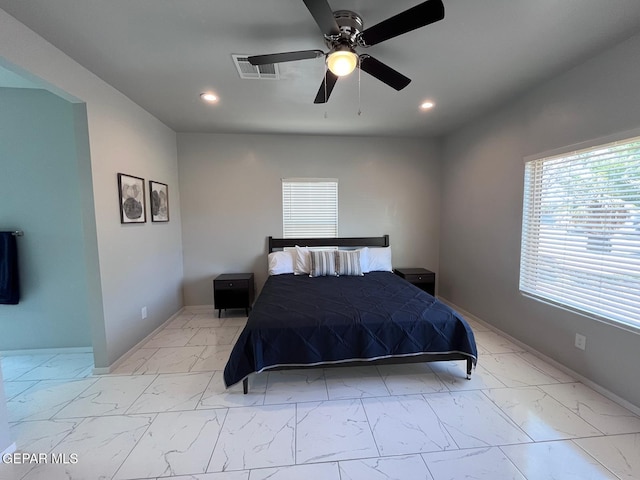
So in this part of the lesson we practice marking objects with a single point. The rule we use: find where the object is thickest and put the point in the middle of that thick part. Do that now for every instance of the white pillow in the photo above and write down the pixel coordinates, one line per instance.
(280, 262)
(364, 259)
(380, 259)
(302, 264)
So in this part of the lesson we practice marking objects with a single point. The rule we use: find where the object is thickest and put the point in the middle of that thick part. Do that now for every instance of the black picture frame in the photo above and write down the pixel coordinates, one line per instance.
(131, 194)
(159, 201)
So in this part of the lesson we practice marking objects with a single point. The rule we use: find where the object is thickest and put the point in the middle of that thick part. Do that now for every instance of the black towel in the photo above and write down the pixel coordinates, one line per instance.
(9, 285)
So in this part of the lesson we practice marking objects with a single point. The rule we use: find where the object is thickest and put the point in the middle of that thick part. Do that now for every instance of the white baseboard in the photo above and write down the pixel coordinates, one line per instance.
(8, 451)
(47, 351)
(119, 361)
(598, 388)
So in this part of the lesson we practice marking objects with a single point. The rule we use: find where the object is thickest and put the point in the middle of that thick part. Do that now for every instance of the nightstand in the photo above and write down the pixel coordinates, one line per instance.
(233, 290)
(422, 278)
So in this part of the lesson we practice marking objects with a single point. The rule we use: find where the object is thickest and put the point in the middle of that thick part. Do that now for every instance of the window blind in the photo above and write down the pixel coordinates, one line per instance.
(309, 207)
(581, 231)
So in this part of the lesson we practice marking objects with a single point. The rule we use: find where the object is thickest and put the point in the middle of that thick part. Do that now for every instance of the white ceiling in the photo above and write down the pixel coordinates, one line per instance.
(163, 53)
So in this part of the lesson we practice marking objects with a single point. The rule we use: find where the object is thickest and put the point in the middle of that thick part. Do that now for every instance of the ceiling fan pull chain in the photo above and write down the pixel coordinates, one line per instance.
(359, 101)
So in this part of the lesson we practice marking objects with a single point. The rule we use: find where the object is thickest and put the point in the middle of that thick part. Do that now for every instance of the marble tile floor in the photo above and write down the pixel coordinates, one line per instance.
(165, 414)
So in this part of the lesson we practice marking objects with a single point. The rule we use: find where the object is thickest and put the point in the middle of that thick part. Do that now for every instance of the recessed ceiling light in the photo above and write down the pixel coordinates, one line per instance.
(209, 97)
(427, 105)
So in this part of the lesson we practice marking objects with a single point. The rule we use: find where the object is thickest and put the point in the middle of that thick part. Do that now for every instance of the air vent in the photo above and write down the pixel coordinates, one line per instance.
(246, 70)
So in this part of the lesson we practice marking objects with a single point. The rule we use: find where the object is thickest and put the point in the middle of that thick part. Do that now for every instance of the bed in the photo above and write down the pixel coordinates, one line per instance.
(299, 321)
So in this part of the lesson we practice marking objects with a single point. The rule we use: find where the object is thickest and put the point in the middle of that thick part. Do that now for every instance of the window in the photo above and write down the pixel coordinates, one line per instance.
(581, 231)
(309, 207)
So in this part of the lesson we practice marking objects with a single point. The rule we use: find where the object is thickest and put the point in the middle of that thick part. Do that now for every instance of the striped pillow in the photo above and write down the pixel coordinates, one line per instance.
(323, 263)
(348, 262)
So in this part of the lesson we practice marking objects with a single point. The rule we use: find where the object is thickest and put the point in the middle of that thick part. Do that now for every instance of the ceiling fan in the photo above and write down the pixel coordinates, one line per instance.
(343, 33)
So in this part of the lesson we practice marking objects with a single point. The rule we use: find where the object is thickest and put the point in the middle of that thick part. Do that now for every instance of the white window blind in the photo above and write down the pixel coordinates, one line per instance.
(581, 231)
(309, 207)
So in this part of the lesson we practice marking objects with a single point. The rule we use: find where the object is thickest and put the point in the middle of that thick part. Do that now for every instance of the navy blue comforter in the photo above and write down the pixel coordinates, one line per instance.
(298, 320)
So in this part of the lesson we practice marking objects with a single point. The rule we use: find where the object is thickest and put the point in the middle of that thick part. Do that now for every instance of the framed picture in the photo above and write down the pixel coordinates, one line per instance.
(131, 193)
(159, 201)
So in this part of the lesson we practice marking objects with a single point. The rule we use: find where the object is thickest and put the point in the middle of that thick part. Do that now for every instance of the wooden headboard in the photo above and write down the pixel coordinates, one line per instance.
(280, 243)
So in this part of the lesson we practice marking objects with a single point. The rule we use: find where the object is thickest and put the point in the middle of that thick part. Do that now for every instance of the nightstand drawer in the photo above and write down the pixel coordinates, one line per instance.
(231, 284)
(419, 278)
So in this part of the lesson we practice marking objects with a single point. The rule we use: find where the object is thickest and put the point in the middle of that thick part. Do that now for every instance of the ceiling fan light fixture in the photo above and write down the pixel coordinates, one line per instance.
(342, 62)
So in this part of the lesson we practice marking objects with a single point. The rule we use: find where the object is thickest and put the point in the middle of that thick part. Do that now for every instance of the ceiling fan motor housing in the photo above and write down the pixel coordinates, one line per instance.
(350, 24)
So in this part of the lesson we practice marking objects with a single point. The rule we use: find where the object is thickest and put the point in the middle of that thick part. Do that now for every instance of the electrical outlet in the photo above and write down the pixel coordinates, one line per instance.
(143, 313)
(581, 341)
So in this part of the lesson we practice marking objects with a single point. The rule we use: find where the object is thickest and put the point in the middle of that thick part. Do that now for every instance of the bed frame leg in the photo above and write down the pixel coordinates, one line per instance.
(245, 386)
(469, 366)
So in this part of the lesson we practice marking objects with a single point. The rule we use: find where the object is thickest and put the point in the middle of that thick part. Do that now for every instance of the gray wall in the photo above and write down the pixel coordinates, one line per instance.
(41, 195)
(232, 198)
(482, 184)
(135, 265)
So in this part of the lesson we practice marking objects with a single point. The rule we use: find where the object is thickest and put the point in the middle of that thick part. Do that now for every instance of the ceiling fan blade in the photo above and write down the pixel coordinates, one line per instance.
(424, 14)
(327, 86)
(383, 72)
(284, 57)
(323, 15)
